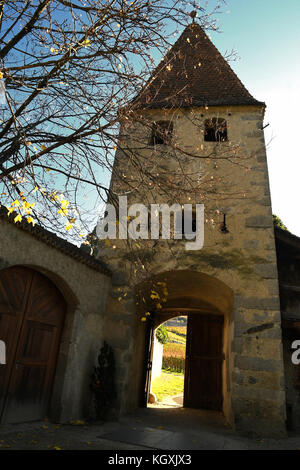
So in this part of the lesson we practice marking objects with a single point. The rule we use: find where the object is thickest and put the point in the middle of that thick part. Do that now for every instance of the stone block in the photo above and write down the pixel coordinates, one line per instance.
(257, 363)
(259, 221)
(266, 271)
(261, 303)
(251, 117)
(251, 244)
(261, 347)
(259, 379)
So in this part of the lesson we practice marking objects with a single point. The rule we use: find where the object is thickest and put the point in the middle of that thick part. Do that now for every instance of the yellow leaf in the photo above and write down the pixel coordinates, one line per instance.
(86, 42)
(43, 147)
(16, 203)
(57, 448)
(63, 212)
(69, 226)
(1, 75)
(18, 218)
(143, 319)
(48, 169)
(64, 203)
(30, 220)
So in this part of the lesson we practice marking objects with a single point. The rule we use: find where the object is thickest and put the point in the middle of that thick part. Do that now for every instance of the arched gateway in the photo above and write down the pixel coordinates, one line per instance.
(208, 304)
(32, 312)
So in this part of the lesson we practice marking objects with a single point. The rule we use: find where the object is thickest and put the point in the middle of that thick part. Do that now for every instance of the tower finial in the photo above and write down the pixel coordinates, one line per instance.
(193, 15)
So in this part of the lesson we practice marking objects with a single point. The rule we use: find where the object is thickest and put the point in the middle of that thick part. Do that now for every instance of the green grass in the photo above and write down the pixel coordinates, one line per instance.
(168, 384)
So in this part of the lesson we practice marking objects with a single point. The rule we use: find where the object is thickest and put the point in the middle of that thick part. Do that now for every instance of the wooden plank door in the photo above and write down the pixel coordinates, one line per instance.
(148, 361)
(14, 285)
(27, 392)
(204, 360)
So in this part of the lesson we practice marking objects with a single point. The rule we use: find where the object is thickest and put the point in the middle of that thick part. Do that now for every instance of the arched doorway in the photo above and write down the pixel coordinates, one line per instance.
(208, 304)
(168, 364)
(32, 313)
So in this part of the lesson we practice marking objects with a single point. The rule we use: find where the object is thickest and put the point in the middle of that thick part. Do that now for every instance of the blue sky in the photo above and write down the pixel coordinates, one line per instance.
(266, 35)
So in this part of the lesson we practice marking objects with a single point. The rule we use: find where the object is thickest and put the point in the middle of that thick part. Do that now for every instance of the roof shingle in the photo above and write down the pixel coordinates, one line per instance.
(194, 73)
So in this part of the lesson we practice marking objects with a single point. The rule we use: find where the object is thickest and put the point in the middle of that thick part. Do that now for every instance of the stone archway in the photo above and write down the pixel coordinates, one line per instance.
(32, 314)
(208, 303)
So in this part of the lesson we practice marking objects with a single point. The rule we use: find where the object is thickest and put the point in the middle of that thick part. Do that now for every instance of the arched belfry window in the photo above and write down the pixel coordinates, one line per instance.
(215, 130)
(162, 132)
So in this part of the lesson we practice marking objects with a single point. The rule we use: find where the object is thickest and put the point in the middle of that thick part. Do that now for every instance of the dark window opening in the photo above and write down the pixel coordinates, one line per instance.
(215, 130)
(162, 132)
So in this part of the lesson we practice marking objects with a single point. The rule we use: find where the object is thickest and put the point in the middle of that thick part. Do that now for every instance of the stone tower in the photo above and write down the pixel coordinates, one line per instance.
(195, 135)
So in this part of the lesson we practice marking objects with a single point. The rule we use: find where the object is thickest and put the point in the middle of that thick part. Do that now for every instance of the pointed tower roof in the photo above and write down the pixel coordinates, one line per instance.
(194, 73)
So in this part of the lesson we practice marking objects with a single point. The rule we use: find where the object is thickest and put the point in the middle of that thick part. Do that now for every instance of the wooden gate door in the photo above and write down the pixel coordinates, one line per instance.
(148, 362)
(204, 359)
(32, 314)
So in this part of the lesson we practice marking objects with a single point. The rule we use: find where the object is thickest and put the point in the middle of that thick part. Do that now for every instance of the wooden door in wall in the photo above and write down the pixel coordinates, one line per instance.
(32, 312)
(148, 362)
(204, 360)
